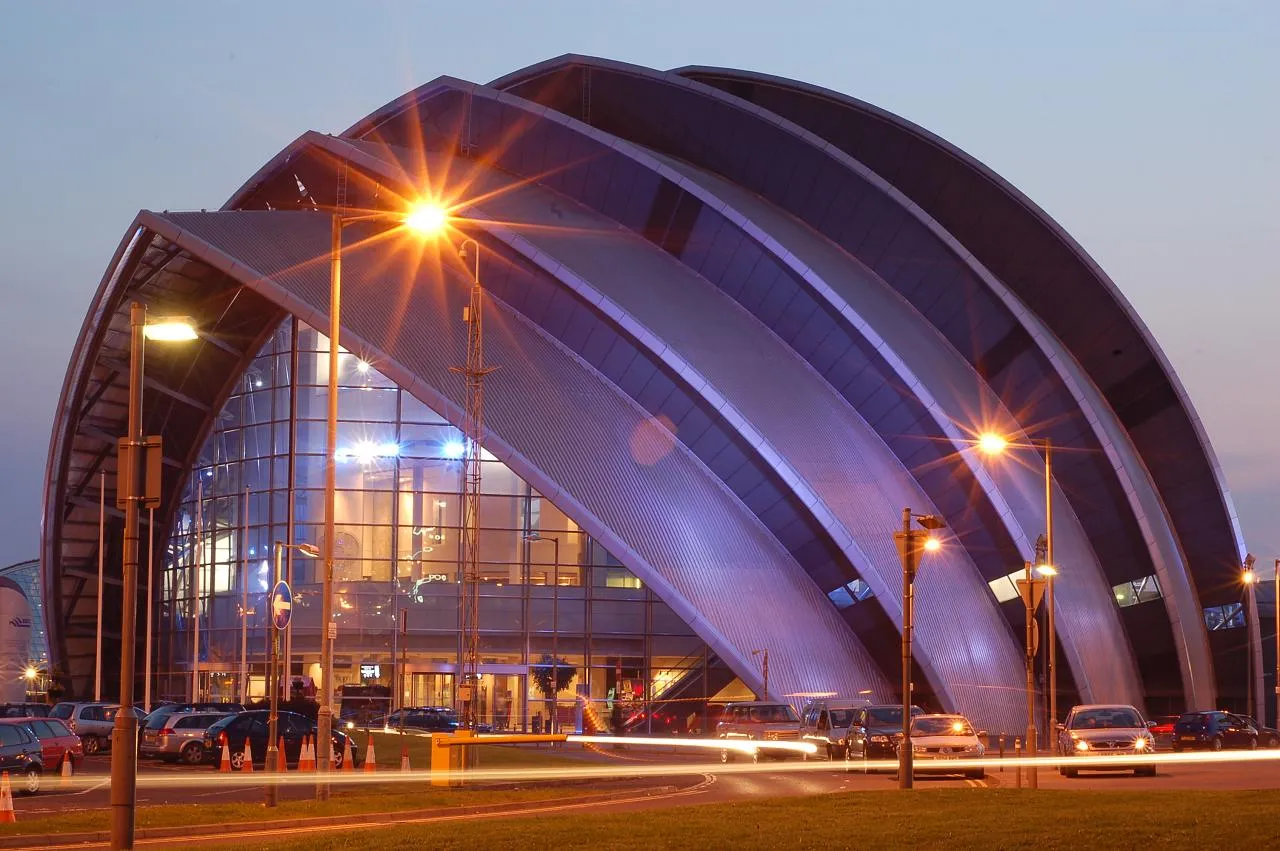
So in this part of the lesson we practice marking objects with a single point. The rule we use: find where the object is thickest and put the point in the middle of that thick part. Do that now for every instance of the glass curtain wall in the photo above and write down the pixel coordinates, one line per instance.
(555, 607)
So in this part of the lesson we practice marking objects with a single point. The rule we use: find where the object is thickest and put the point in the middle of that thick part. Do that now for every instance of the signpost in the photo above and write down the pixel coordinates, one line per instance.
(281, 605)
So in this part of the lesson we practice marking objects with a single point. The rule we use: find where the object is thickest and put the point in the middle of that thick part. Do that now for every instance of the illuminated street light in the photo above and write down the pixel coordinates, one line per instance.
(426, 218)
(133, 491)
(910, 546)
(991, 443)
(171, 329)
(31, 673)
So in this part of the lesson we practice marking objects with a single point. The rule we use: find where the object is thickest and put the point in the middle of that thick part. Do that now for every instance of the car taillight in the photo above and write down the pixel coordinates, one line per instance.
(167, 731)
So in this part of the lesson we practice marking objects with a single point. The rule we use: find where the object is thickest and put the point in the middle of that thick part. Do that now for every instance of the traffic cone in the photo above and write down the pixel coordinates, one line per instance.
(307, 762)
(404, 758)
(370, 762)
(226, 757)
(347, 762)
(67, 769)
(246, 765)
(282, 764)
(7, 815)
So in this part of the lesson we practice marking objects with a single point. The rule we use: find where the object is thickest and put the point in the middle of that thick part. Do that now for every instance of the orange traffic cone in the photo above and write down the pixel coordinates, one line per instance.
(67, 769)
(7, 815)
(226, 757)
(307, 762)
(246, 765)
(347, 763)
(282, 764)
(370, 762)
(404, 758)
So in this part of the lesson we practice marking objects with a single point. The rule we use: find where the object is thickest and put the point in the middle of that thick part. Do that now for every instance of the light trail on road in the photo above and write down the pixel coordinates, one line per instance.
(631, 770)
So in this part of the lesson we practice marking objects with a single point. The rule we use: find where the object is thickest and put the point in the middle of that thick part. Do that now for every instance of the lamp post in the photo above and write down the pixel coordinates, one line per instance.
(425, 219)
(137, 479)
(764, 668)
(535, 537)
(911, 542)
(1249, 579)
(1276, 715)
(991, 443)
(273, 664)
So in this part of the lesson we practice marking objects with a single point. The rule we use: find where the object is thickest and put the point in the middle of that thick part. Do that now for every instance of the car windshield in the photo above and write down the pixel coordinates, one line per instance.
(773, 714)
(886, 715)
(841, 717)
(1105, 719)
(1193, 720)
(951, 725)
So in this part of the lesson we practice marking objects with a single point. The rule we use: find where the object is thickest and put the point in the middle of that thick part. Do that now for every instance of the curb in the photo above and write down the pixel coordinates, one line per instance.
(46, 840)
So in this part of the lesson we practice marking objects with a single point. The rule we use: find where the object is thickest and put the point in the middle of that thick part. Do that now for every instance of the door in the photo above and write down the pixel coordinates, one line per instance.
(431, 689)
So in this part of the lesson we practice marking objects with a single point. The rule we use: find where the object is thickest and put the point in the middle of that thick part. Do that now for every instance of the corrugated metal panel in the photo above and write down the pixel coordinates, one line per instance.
(570, 434)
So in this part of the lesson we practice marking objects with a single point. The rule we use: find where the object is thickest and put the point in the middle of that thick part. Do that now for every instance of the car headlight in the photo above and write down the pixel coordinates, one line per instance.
(1082, 745)
(1140, 743)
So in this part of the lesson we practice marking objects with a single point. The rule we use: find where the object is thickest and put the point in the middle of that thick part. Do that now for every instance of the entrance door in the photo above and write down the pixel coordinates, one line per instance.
(431, 689)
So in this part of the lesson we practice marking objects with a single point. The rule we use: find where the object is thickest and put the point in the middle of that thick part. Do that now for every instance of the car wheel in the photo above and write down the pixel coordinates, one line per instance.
(237, 760)
(337, 758)
(31, 781)
(92, 744)
(1253, 743)
(1273, 742)
(193, 753)
(1069, 772)
(979, 774)
(1145, 771)
(1177, 748)
(1217, 743)
(726, 756)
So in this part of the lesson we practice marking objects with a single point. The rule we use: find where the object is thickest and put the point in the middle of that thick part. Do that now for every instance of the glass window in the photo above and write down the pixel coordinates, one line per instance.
(1132, 593)
(1229, 616)
(10, 735)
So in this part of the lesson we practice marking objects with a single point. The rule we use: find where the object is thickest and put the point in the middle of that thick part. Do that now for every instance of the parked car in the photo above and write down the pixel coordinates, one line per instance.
(208, 706)
(1213, 731)
(24, 710)
(21, 755)
(57, 742)
(177, 736)
(875, 730)
(825, 724)
(430, 718)
(1268, 737)
(758, 720)
(1112, 731)
(92, 722)
(1162, 730)
(940, 744)
(251, 727)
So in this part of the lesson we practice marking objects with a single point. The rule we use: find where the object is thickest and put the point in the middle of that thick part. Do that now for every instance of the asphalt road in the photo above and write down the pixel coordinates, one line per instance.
(700, 782)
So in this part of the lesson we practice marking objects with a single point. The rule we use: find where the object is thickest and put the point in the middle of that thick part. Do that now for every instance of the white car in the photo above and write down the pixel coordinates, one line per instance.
(940, 744)
(1106, 730)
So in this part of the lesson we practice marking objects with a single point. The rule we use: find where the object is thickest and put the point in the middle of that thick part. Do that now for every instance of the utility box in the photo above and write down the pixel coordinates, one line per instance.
(448, 760)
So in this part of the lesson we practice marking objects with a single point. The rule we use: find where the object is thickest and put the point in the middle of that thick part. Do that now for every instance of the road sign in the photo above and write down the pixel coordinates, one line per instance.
(281, 604)
(1037, 592)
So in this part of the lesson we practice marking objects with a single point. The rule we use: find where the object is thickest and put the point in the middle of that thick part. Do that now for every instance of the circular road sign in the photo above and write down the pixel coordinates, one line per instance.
(281, 604)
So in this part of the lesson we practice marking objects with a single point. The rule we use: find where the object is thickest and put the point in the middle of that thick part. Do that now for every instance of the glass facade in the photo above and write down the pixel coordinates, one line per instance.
(550, 595)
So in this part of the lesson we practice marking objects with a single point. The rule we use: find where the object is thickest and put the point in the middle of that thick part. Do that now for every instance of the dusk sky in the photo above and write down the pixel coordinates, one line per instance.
(1147, 129)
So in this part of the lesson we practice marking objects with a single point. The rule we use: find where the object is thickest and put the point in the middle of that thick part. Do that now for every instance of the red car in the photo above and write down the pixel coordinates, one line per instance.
(1162, 730)
(56, 742)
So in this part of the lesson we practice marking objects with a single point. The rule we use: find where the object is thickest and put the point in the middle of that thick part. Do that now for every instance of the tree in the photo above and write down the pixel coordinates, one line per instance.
(552, 676)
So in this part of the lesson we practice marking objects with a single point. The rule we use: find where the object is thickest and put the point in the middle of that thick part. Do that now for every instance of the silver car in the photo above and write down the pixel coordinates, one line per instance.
(178, 736)
(1113, 731)
(825, 724)
(92, 722)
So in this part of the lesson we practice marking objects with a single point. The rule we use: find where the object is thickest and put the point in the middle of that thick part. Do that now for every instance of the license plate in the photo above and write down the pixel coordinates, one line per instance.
(1187, 738)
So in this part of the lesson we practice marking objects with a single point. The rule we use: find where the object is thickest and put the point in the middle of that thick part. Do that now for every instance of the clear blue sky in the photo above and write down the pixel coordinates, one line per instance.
(1148, 129)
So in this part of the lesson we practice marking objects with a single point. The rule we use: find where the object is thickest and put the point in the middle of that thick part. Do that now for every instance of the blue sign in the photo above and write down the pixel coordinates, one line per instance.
(281, 604)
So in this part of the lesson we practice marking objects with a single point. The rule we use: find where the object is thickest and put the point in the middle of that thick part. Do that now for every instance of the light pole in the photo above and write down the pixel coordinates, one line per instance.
(764, 668)
(102, 555)
(991, 443)
(535, 537)
(911, 542)
(424, 219)
(273, 664)
(1276, 715)
(1249, 579)
(138, 484)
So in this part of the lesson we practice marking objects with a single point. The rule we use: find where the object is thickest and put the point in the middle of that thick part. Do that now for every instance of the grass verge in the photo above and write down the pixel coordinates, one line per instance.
(387, 748)
(375, 799)
(950, 819)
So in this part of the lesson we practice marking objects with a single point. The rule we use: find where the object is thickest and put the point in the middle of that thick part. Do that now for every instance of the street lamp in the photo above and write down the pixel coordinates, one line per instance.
(911, 543)
(1249, 579)
(273, 664)
(425, 219)
(533, 538)
(990, 443)
(138, 484)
